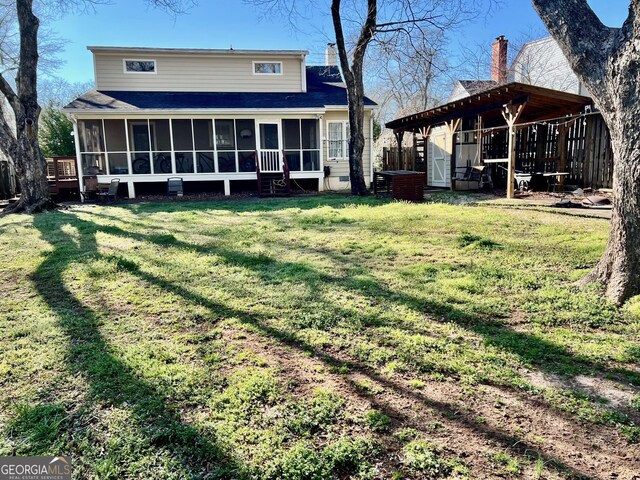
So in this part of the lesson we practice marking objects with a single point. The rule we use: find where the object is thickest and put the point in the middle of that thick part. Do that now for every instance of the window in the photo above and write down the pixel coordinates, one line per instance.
(91, 135)
(139, 66)
(267, 68)
(338, 138)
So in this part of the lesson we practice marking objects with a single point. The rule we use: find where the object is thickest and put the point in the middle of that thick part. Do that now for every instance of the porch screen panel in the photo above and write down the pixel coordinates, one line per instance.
(140, 147)
(160, 146)
(292, 144)
(116, 143)
(183, 145)
(310, 145)
(226, 145)
(203, 139)
(246, 142)
(92, 147)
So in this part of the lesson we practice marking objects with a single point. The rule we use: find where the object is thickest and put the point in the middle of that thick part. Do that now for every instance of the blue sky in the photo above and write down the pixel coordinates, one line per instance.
(225, 23)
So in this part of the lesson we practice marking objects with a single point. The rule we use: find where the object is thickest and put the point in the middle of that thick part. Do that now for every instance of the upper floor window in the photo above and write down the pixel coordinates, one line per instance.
(139, 66)
(267, 68)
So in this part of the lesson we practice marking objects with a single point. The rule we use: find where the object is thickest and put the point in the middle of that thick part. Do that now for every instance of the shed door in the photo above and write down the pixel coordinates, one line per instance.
(439, 160)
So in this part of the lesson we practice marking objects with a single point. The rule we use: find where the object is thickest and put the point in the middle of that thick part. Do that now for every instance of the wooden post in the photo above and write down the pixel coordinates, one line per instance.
(452, 126)
(563, 148)
(399, 135)
(424, 133)
(511, 113)
(479, 139)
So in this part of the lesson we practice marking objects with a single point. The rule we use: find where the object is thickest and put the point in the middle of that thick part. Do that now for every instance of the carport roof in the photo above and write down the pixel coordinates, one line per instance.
(541, 104)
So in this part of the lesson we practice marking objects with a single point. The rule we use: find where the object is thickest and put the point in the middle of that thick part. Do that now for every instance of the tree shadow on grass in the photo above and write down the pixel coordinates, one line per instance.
(85, 332)
(111, 381)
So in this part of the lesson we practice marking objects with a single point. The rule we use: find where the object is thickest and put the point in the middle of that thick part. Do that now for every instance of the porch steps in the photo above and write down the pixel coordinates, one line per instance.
(274, 185)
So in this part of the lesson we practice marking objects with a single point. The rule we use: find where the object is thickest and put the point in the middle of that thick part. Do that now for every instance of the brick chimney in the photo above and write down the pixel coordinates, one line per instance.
(499, 59)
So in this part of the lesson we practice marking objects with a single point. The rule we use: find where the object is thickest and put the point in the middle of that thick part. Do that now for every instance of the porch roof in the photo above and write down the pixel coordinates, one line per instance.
(541, 104)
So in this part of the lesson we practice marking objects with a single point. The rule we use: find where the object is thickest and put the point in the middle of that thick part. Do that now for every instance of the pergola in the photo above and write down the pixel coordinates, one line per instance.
(515, 104)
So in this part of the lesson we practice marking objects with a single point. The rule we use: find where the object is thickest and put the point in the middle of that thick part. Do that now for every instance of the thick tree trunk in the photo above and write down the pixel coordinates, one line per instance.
(606, 60)
(25, 152)
(619, 267)
(355, 90)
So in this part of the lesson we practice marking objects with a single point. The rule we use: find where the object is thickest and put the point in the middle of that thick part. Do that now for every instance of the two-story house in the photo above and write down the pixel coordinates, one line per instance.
(214, 116)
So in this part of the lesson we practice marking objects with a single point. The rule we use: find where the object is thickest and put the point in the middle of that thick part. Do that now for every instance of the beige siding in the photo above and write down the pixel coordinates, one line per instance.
(197, 73)
(340, 167)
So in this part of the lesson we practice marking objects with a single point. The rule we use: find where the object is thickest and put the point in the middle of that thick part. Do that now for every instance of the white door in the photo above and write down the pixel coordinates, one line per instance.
(269, 141)
(439, 159)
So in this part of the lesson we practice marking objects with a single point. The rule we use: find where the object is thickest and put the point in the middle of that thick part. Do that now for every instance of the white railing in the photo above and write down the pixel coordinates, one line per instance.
(270, 161)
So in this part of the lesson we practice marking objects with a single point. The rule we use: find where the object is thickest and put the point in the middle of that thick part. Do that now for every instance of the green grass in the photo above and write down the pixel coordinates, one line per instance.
(261, 339)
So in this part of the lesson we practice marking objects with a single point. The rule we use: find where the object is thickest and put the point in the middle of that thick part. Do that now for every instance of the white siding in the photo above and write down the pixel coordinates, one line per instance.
(543, 64)
(340, 167)
(197, 73)
(458, 92)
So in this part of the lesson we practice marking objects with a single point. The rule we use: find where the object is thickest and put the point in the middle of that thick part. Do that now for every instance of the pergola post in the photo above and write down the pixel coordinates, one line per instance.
(479, 139)
(452, 126)
(424, 133)
(399, 136)
(563, 148)
(511, 113)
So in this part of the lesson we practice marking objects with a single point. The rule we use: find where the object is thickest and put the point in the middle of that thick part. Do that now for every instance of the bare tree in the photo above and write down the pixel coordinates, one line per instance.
(356, 26)
(606, 60)
(20, 52)
(407, 74)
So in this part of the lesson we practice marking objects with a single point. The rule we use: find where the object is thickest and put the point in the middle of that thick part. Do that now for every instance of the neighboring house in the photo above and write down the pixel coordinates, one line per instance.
(214, 116)
(543, 64)
(554, 123)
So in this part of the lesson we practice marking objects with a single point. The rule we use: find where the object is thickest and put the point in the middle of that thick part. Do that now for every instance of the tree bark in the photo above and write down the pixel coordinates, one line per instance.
(23, 149)
(606, 60)
(355, 90)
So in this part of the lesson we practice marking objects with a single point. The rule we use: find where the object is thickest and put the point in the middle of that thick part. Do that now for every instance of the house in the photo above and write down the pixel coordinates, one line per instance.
(215, 118)
(542, 63)
(533, 117)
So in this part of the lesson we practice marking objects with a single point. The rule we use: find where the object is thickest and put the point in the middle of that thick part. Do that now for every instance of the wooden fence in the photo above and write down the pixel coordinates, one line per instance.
(7, 180)
(413, 158)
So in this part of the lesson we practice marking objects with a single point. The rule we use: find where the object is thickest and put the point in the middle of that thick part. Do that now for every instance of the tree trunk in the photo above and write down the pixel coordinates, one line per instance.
(619, 268)
(356, 142)
(606, 60)
(29, 163)
(355, 90)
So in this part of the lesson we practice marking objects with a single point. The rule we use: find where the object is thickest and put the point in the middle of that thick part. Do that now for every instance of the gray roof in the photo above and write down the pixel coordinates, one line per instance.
(324, 88)
(475, 86)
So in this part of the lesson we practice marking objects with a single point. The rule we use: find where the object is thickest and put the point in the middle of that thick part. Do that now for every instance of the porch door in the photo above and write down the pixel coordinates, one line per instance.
(439, 160)
(270, 146)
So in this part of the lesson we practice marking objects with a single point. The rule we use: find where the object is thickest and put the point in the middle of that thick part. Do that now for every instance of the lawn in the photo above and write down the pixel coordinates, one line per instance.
(315, 338)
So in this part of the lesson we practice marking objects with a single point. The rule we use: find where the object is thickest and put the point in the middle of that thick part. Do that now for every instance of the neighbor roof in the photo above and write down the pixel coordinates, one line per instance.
(324, 88)
(475, 86)
(541, 104)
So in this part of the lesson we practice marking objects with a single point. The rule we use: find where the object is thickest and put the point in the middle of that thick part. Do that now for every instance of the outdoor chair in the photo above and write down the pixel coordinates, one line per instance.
(90, 191)
(175, 186)
(112, 193)
(478, 174)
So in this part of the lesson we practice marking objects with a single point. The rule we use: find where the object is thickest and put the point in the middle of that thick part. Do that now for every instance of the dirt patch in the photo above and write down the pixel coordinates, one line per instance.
(470, 423)
(614, 393)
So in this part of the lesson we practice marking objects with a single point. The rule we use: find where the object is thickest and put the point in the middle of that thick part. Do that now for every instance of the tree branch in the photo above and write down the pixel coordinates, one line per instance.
(586, 47)
(8, 93)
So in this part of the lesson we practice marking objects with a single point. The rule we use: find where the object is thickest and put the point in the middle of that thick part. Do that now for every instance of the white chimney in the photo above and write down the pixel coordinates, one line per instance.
(331, 55)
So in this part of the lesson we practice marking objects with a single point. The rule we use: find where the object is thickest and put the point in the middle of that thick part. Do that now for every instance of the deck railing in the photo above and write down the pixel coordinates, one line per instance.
(270, 161)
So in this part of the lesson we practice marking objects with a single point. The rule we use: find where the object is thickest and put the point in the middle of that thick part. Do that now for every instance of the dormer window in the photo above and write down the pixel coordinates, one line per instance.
(267, 68)
(139, 66)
